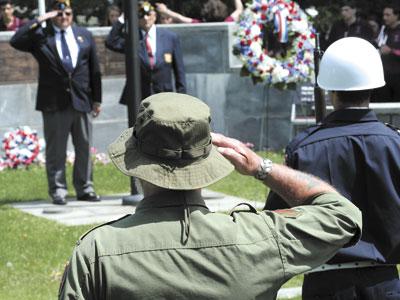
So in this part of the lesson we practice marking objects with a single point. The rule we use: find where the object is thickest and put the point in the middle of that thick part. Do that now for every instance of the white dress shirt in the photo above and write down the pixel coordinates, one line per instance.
(152, 36)
(71, 42)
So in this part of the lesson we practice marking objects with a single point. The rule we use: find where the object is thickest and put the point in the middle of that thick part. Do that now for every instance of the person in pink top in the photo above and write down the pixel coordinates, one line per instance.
(212, 11)
(8, 22)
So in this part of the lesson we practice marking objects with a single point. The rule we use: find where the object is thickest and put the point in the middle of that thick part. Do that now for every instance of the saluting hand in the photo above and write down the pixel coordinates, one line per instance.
(48, 15)
(245, 160)
(161, 8)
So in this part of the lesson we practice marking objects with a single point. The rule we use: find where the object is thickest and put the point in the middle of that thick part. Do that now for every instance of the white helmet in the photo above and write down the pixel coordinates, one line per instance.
(351, 64)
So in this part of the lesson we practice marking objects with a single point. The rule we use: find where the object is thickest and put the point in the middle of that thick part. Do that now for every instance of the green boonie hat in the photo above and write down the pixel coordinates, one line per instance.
(170, 144)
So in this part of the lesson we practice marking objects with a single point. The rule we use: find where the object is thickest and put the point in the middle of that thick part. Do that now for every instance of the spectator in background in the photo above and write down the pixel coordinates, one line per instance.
(389, 46)
(350, 25)
(373, 22)
(164, 19)
(212, 11)
(8, 22)
(112, 14)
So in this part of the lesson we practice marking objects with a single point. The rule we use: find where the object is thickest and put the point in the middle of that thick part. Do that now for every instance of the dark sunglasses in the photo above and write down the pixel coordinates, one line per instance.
(67, 13)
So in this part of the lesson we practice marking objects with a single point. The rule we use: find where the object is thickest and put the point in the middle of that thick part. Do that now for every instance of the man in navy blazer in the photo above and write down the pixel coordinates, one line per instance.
(69, 95)
(159, 52)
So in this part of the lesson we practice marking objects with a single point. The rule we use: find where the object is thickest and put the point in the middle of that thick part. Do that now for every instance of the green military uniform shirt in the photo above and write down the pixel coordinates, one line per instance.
(161, 253)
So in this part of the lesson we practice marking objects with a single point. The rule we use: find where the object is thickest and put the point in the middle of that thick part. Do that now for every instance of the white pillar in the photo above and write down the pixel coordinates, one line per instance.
(41, 7)
(42, 10)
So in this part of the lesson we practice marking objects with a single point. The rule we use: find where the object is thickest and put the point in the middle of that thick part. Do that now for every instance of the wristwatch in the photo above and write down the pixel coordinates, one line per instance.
(264, 169)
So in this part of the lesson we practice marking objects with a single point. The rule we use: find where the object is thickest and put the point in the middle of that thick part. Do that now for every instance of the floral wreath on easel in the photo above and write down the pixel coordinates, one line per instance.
(295, 35)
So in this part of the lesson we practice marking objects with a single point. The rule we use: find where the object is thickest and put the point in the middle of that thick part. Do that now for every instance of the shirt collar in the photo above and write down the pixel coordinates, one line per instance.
(151, 33)
(170, 198)
(350, 115)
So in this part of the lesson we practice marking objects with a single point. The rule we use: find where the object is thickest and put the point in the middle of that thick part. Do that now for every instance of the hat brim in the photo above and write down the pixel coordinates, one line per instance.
(176, 175)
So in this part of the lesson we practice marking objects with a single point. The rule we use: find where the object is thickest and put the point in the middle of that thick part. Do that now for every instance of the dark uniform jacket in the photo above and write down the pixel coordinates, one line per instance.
(168, 59)
(57, 88)
(360, 157)
(359, 29)
(173, 247)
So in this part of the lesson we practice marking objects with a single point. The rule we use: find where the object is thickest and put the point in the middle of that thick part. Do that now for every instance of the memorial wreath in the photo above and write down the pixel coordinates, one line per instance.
(21, 146)
(275, 42)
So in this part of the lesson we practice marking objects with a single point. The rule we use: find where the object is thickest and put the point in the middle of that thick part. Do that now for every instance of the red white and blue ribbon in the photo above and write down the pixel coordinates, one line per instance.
(281, 28)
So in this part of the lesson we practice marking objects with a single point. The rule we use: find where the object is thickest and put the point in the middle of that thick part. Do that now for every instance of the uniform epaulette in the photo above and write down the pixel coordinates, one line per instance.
(107, 223)
(397, 129)
(34, 26)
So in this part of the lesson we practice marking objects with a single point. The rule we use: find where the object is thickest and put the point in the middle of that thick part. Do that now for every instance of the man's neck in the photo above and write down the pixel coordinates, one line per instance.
(394, 25)
(56, 28)
(150, 29)
(150, 189)
(350, 21)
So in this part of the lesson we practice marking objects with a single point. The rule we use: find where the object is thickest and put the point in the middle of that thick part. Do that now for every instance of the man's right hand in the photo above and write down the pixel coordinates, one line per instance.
(244, 159)
(293, 186)
(49, 15)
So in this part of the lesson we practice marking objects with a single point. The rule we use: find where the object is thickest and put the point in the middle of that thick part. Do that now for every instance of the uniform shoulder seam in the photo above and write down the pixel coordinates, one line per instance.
(101, 225)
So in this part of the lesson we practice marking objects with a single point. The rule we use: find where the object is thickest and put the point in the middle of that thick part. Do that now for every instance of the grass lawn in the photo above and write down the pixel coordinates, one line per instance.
(31, 184)
(33, 251)
(33, 254)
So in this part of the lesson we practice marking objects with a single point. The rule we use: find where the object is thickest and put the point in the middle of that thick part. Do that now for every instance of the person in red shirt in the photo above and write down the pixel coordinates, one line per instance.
(212, 11)
(8, 22)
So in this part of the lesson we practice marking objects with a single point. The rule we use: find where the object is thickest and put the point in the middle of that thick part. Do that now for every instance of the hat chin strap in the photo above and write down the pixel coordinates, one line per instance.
(186, 221)
(175, 154)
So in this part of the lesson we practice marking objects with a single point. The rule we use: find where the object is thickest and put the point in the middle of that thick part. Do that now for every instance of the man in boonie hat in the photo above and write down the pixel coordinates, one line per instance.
(174, 247)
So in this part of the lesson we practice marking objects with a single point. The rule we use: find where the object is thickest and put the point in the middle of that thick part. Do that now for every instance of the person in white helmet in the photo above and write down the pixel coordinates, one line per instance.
(360, 157)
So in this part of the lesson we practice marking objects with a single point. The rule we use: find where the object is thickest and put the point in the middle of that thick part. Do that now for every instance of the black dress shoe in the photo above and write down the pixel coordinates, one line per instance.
(58, 200)
(92, 196)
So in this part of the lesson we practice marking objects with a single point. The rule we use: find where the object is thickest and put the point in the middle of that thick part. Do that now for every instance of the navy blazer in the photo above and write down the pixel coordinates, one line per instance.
(168, 60)
(57, 88)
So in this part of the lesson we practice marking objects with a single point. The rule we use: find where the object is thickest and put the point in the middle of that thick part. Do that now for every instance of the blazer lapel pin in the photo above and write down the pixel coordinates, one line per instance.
(80, 39)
